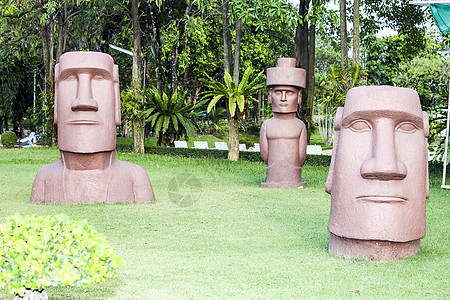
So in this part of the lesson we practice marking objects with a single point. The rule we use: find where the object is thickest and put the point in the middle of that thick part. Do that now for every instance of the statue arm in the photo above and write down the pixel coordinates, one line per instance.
(263, 144)
(303, 141)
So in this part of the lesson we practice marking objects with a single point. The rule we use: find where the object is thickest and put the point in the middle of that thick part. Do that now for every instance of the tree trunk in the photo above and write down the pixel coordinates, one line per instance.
(233, 131)
(304, 49)
(1, 125)
(344, 46)
(62, 31)
(138, 121)
(233, 123)
(301, 37)
(138, 135)
(157, 46)
(356, 32)
(311, 78)
(46, 34)
(180, 25)
(226, 37)
(237, 51)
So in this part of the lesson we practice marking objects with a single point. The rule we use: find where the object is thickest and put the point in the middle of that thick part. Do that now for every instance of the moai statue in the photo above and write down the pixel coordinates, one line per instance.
(283, 137)
(87, 111)
(378, 178)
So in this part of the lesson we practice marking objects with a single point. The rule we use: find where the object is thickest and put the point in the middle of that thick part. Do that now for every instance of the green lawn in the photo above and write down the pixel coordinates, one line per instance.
(213, 233)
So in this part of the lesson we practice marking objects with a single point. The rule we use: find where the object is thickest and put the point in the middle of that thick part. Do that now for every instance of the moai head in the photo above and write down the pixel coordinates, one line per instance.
(87, 102)
(286, 82)
(378, 178)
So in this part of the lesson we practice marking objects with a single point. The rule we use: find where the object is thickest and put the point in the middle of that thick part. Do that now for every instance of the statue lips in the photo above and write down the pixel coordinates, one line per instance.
(84, 122)
(382, 198)
(84, 118)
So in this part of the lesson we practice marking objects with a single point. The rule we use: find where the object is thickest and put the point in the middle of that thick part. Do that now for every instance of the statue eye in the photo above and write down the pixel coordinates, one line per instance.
(70, 77)
(407, 127)
(98, 77)
(360, 126)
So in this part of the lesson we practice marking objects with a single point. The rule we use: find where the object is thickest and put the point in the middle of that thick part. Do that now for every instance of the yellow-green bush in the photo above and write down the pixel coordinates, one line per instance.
(42, 251)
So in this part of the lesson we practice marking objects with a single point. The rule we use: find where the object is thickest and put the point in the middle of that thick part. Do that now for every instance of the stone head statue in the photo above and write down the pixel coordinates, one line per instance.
(87, 102)
(378, 177)
(87, 111)
(286, 82)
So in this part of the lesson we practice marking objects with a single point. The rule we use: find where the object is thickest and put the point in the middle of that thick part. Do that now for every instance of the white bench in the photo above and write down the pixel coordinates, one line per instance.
(200, 145)
(314, 149)
(242, 147)
(221, 145)
(181, 144)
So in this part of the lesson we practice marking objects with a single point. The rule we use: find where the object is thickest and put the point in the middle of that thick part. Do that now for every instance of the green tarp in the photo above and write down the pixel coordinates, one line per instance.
(441, 14)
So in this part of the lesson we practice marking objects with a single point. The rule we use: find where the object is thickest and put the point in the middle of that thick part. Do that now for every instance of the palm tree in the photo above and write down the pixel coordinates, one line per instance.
(169, 117)
(236, 97)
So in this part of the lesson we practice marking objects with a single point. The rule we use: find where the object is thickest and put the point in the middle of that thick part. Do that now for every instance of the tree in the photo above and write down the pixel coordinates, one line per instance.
(343, 26)
(268, 14)
(356, 36)
(47, 22)
(428, 74)
(138, 120)
(236, 96)
(312, 17)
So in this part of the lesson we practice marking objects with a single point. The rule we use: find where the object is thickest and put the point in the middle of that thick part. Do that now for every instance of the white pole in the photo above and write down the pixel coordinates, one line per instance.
(446, 144)
(145, 66)
(34, 93)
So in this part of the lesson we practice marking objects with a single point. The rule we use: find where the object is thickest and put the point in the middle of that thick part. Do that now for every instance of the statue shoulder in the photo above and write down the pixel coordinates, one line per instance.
(129, 169)
(140, 182)
(49, 170)
(301, 123)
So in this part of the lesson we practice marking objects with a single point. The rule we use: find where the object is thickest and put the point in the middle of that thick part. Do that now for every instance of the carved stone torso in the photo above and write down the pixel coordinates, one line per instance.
(284, 147)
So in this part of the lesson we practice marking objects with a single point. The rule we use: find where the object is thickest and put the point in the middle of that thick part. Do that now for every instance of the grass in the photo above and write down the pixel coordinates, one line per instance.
(213, 233)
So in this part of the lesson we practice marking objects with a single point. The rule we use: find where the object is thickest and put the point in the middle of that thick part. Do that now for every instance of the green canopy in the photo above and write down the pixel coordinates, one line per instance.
(441, 14)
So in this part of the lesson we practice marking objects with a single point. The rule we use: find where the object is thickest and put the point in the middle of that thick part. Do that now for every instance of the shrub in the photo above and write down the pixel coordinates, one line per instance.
(249, 126)
(37, 252)
(248, 142)
(9, 139)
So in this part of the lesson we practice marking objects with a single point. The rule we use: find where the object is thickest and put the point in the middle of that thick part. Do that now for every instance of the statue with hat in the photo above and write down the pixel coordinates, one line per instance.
(283, 137)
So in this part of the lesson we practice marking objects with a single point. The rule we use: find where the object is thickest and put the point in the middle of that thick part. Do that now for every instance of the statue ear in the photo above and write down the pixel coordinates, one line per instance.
(426, 124)
(117, 95)
(337, 129)
(55, 112)
(270, 97)
(299, 101)
(426, 132)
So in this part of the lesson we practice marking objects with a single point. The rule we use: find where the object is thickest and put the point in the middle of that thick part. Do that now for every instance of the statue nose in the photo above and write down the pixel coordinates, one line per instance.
(283, 96)
(383, 163)
(84, 101)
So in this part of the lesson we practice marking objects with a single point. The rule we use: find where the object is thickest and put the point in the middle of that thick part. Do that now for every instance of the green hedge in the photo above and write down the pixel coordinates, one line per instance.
(311, 160)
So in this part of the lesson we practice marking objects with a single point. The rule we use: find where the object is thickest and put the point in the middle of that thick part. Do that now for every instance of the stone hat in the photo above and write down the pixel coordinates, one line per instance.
(286, 74)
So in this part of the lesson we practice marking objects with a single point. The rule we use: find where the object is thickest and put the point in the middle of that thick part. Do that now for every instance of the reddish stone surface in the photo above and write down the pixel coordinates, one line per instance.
(87, 111)
(378, 177)
(283, 137)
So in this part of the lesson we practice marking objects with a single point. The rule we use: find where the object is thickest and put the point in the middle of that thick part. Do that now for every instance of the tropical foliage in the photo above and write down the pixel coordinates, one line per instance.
(234, 95)
(170, 117)
(339, 82)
